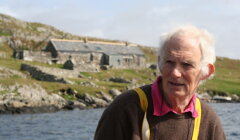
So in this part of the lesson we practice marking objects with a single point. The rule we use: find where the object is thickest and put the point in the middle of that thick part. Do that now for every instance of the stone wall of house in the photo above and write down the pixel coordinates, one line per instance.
(87, 61)
(141, 61)
(63, 57)
(81, 58)
(132, 61)
(37, 56)
(96, 58)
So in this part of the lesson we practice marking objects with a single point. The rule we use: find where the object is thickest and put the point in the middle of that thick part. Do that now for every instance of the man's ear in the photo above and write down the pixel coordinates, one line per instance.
(211, 70)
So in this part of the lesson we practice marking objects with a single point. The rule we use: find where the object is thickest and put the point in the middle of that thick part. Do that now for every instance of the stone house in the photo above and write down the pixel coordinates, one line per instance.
(83, 52)
(37, 56)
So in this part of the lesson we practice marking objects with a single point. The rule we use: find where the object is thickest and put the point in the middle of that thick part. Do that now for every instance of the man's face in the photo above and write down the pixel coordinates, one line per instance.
(181, 68)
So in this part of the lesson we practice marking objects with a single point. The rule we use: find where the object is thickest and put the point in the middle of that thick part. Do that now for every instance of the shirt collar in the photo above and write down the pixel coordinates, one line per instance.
(160, 106)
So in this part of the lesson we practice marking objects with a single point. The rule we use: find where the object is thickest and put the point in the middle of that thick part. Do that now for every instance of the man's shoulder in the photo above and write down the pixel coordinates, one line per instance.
(129, 98)
(130, 95)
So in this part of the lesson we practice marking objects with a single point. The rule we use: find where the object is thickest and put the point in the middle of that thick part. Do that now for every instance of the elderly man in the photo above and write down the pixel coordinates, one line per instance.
(168, 109)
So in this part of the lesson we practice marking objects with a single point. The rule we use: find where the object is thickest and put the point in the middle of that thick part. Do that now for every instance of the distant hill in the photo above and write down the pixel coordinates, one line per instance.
(33, 35)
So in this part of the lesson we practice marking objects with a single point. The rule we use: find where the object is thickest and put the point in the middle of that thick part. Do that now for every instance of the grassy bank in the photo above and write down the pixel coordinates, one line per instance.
(227, 77)
(226, 80)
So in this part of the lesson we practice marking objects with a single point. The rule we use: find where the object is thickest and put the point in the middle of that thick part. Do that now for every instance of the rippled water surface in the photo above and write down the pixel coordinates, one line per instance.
(229, 114)
(81, 124)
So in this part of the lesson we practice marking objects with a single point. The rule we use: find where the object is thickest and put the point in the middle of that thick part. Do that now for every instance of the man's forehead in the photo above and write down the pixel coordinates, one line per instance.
(187, 55)
(188, 50)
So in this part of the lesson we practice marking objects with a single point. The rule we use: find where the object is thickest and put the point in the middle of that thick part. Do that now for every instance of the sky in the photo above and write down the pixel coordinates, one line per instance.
(136, 21)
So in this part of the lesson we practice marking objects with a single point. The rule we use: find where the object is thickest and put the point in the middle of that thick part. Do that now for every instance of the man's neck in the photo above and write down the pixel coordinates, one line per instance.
(178, 104)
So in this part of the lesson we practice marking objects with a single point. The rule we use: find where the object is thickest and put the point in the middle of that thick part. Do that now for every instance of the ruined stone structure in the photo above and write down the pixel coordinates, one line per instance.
(37, 56)
(95, 53)
(87, 56)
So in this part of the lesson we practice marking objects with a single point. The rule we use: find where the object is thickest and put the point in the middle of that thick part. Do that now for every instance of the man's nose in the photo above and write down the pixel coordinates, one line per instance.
(176, 72)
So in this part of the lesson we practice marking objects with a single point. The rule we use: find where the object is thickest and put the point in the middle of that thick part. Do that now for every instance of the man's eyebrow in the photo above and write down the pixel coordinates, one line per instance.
(189, 61)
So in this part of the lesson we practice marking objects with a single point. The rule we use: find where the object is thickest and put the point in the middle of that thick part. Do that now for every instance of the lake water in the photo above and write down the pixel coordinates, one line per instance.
(81, 124)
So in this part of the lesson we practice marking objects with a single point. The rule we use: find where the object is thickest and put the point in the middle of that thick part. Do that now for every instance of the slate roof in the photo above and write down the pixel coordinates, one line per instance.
(110, 49)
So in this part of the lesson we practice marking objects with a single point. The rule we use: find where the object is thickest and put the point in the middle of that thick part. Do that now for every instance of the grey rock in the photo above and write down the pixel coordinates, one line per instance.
(204, 96)
(89, 84)
(235, 97)
(153, 66)
(104, 67)
(24, 98)
(119, 80)
(93, 101)
(6, 72)
(114, 92)
(105, 97)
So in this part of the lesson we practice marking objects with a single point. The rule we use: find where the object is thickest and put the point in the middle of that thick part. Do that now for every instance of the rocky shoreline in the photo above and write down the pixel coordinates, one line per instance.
(34, 99)
(17, 99)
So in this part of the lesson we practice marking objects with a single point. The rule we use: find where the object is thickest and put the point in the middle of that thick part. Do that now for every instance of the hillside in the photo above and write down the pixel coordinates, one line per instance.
(17, 34)
(31, 35)
(35, 36)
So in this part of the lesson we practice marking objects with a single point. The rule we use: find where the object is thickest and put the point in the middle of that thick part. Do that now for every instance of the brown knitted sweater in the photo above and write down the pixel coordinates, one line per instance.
(122, 120)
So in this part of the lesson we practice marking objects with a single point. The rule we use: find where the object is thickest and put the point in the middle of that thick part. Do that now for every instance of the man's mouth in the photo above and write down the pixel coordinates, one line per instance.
(176, 84)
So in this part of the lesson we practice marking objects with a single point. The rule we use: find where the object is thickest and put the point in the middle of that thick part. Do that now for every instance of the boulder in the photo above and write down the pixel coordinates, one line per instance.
(89, 84)
(70, 91)
(118, 80)
(104, 67)
(235, 97)
(74, 104)
(153, 66)
(222, 98)
(93, 101)
(105, 97)
(114, 92)
(204, 96)
(29, 98)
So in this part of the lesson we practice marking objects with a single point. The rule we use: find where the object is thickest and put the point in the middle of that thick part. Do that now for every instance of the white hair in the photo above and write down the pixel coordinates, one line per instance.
(205, 42)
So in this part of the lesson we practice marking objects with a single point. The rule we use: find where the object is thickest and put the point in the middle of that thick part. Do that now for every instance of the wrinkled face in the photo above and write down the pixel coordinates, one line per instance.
(181, 68)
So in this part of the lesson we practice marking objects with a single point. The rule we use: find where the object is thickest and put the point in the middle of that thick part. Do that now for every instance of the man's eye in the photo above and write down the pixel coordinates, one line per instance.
(187, 65)
(169, 61)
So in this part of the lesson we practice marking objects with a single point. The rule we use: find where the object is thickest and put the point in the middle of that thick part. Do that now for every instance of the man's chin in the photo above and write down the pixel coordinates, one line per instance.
(177, 93)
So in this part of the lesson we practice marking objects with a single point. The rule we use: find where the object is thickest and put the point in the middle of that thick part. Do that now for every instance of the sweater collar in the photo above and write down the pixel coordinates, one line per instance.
(160, 106)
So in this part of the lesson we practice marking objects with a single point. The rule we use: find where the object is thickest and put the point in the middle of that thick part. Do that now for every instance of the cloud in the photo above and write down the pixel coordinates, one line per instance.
(137, 21)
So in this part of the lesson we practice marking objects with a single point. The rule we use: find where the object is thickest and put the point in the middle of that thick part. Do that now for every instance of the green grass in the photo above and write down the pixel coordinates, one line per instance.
(7, 50)
(69, 97)
(110, 85)
(141, 76)
(2, 33)
(227, 77)
(10, 63)
(223, 85)
(2, 92)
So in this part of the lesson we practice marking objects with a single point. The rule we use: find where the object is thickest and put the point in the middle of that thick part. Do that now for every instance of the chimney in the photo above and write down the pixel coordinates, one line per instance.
(85, 40)
(126, 43)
